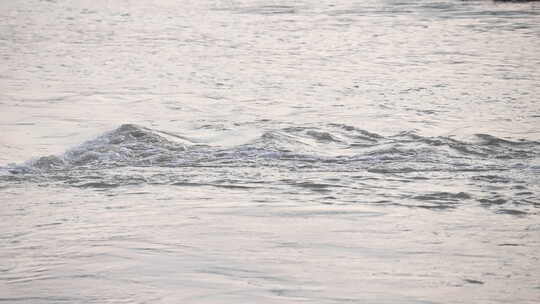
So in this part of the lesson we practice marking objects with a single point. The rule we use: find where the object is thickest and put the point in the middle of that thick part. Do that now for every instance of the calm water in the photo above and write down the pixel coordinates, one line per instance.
(269, 151)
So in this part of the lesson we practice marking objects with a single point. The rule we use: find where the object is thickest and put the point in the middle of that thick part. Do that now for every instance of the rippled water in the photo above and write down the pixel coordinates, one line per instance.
(269, 151)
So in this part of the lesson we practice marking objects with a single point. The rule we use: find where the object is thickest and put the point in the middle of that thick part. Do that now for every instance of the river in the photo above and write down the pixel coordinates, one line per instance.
(259, 151)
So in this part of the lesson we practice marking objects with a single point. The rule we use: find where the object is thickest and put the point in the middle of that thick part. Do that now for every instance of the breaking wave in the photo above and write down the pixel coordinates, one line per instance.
(345, 163)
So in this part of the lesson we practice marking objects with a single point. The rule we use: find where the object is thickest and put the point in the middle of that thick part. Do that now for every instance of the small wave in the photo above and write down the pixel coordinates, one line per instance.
(512, 212)
(270, 10)
(99, 185)
(132, 145)
(135, 155)
(129, 144)
(225, 186)
(443, 196)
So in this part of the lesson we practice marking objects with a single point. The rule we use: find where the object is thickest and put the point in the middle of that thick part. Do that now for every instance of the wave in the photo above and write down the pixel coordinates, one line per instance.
(128, 145)
(138, 146)
(340, 163)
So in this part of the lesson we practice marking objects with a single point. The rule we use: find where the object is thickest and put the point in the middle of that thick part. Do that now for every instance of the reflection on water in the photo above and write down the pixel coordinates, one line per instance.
(269, 151)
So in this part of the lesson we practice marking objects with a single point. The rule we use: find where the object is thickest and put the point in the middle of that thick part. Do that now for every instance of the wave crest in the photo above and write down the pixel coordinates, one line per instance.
(334, 144)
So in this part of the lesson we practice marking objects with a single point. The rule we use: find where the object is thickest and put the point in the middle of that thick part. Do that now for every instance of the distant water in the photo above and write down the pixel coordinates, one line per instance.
(269, 151)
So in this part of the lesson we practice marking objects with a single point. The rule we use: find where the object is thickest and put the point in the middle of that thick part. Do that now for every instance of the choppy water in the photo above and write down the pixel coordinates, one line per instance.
(269, 152)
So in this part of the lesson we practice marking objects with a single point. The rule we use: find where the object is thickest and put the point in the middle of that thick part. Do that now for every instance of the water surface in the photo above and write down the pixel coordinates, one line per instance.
(269, 151)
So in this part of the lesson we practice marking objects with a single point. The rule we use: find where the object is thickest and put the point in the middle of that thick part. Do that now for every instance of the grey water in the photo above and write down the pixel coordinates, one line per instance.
(269, 151)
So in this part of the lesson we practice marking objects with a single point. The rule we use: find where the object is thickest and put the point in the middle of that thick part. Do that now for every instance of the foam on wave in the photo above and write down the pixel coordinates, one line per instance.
(129, 144)
(339, 161)
(133, 145)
